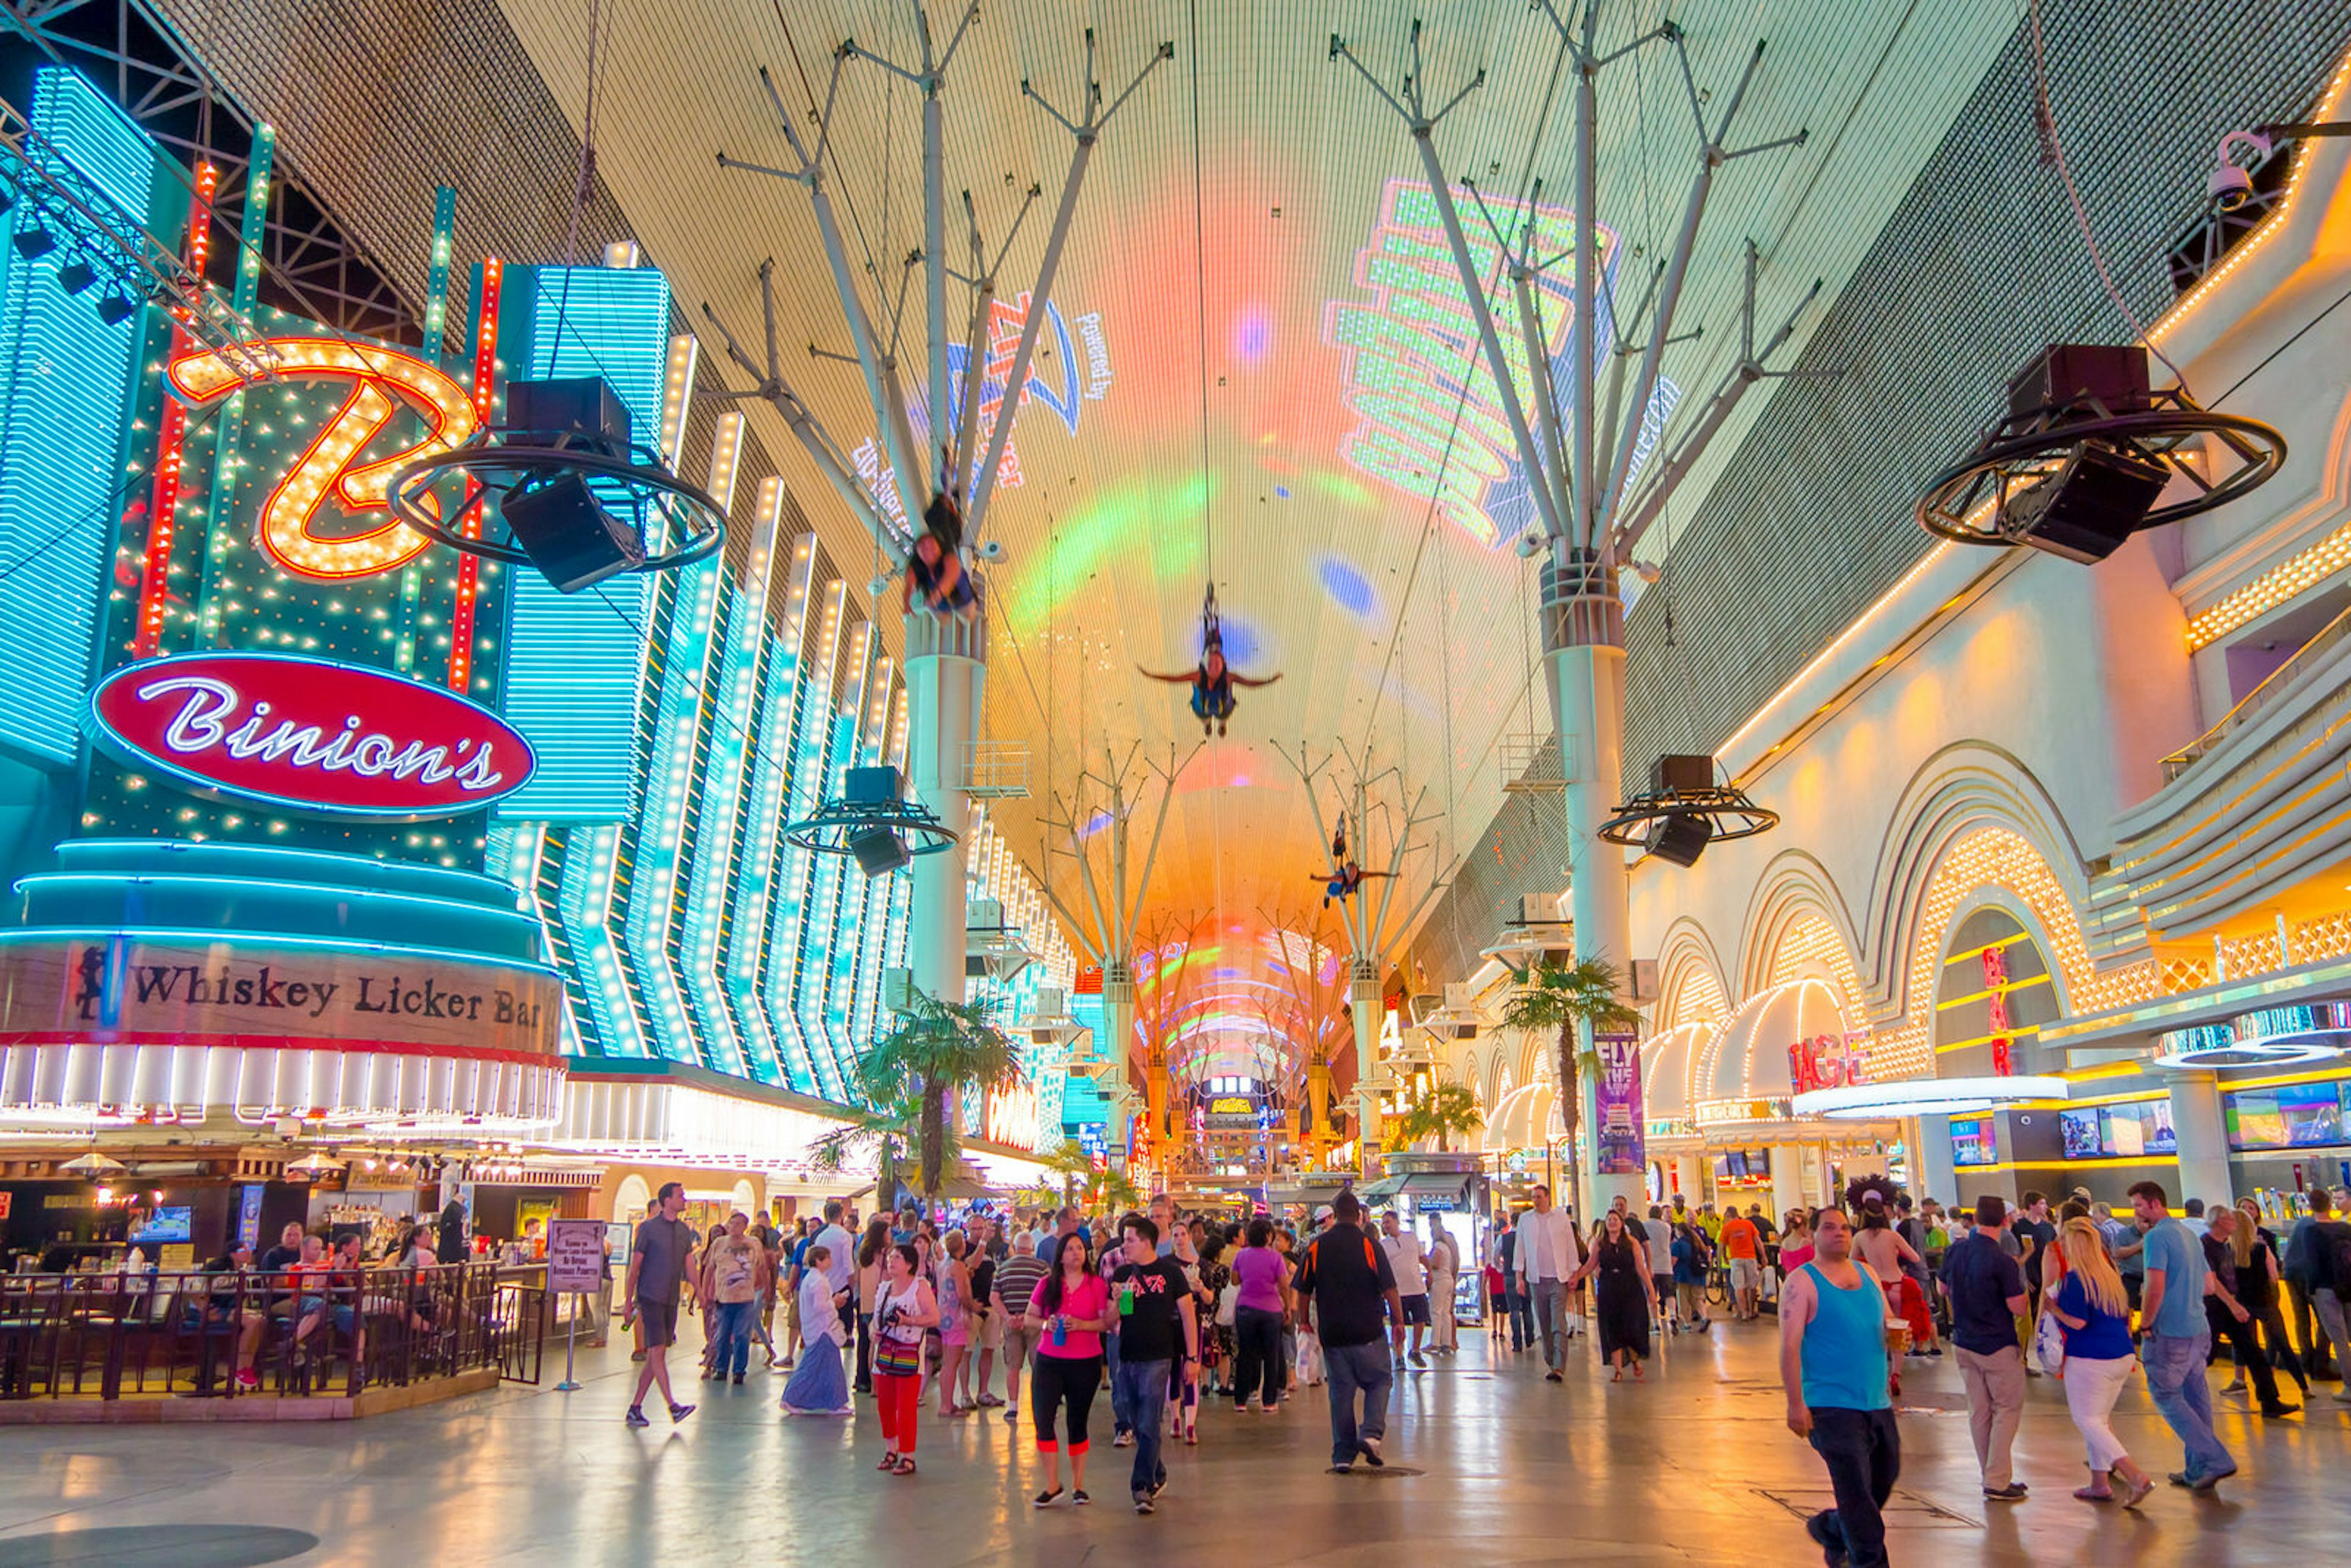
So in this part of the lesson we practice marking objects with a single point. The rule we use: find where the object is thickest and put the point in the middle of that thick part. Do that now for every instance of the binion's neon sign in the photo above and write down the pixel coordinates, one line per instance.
(309, 736)
(383, 383)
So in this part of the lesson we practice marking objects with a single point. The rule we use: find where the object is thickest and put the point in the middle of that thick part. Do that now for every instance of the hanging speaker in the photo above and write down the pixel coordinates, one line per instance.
(878, 849)
(569, 537)
(1680, 838)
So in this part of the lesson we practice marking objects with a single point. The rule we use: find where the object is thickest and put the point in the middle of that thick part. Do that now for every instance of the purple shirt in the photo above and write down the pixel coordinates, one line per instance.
(1262, 1271)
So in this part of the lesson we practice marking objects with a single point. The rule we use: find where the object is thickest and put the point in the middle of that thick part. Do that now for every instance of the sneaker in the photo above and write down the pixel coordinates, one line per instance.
(679, 1412)
(2280, 1408)
(1345, 1466)
(1078, 1498)
(1418, 1359)
(248, 1379)
(738, 1380)
(1011, 1416)
(1833, 1551)
(2206, 1483)
(1123, 1440)
(1553, 1375)
(1143, 1503)
(637, 1416)
(2015, 1491)
(1370, 1448)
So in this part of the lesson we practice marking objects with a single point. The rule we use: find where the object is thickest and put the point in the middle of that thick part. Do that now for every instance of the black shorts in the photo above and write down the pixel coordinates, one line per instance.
(660, 1320)
(1415, 1311)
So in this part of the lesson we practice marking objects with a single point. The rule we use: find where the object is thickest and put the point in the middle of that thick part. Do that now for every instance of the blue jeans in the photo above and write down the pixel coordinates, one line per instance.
(1354, 1367)
(1121, 1410)
(2175, 1377)
(730, 1337)
(1520, 1309)
(1142, 1385)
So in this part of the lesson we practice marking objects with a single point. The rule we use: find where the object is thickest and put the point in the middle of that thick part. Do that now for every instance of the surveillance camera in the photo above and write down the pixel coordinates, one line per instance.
(2229, 186)
(993, 552)
(878, 587)
(1530, 544)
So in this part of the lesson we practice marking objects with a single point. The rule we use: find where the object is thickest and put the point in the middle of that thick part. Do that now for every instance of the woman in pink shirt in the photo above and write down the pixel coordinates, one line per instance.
(1066, 1318)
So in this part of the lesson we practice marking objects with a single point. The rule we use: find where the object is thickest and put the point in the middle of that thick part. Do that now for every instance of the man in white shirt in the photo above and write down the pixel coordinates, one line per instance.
(1412, 1287)
(1550, 1252)
(841, 1262)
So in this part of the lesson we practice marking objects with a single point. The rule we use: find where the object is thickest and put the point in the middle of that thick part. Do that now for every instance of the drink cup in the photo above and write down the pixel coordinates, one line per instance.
(1897, 1336)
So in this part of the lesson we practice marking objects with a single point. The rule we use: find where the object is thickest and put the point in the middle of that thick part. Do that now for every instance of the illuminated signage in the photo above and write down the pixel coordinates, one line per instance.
(1414, 344)
(2270, 1037)
(1827, 1062)
(308, 735)
(1010, 1117)
(244, 991)
(383, 381)
(1085, 378)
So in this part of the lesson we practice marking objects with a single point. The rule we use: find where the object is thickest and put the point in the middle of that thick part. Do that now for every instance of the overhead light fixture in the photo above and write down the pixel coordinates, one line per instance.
(314, 1166)
(34, 243)
(114, 309)
(77, 275)
(93, 1164)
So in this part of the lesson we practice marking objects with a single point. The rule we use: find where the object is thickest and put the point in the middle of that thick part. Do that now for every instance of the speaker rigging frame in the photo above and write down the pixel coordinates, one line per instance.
(537, 459)
(2025, 450)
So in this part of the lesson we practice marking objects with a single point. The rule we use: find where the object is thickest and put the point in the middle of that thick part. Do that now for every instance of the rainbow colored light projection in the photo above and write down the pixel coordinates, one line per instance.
(1414, 344)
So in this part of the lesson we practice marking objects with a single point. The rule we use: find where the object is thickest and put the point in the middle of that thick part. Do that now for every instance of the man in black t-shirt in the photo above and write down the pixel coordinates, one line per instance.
(1347, 1274)
(1155, 1316)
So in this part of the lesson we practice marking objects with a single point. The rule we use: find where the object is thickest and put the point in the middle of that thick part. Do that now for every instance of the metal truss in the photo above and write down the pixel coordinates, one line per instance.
(950, 467)
(130, 48)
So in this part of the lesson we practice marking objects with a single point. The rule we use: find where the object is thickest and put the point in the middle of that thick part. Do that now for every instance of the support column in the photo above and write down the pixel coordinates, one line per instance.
(945, 675)
(1788, 1188)
(1583, 635)
(1938, 1174)
(1364, 1006)
(2203, 1140)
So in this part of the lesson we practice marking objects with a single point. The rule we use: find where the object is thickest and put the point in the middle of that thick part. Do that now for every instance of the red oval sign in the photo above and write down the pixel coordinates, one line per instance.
(308, 735)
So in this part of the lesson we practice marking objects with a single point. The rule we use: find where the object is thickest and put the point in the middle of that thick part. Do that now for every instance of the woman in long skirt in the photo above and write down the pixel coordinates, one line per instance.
(1621, 1296)
(816, 1386)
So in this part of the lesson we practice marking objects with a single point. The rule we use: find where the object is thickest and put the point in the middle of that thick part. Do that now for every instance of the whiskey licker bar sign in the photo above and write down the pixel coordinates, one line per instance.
(308, 736)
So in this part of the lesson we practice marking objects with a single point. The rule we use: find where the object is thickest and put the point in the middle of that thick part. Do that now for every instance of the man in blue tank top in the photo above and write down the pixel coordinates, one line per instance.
(1833, 1359)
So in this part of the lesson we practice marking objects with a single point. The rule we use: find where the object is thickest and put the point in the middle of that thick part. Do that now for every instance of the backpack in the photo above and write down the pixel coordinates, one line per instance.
(2333, 1265)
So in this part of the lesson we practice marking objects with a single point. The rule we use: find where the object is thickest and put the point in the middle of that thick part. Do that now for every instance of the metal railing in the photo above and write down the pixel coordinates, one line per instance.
(335, 1332)
(2274, 686)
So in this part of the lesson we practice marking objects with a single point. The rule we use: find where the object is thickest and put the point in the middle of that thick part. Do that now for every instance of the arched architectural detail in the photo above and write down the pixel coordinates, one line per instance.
(1690, 988)
(631, 1198)
(1795, 893)
(1992, 864)
(1963, 788)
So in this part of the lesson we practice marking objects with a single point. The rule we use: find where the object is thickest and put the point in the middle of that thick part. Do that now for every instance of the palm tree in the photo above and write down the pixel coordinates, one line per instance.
(938, 1047)
(1559, 997)
(1445, 1109)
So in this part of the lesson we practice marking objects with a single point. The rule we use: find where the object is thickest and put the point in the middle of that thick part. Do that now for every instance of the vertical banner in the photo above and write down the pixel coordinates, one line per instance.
(1619, 1149)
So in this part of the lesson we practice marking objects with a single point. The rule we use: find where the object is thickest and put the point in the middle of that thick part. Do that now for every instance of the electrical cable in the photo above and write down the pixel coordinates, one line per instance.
(2053, 152)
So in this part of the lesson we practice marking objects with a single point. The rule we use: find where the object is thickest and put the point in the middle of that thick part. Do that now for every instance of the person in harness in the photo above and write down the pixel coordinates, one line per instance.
(935, 567)
(1212, 680)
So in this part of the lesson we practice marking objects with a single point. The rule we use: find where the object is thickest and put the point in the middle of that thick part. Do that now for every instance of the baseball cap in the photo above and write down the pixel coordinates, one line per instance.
(1322, 1213)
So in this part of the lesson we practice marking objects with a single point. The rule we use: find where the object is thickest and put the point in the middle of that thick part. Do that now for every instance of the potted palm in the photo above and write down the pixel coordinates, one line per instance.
(1556, 998)
(903, 1081)
(1441, 1111)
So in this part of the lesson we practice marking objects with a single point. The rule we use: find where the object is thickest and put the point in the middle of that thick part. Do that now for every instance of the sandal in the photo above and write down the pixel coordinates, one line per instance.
(889, 1462)
(2088, 1495)
(905, 1466)
(2139, 1493)
(1044, 1499)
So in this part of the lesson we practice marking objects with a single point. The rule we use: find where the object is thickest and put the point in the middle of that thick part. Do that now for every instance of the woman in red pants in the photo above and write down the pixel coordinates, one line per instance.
(902, 1308)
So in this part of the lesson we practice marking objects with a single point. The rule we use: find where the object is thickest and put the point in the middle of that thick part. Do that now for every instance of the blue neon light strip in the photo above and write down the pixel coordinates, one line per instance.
(788, 915)
(717, 818)
(574, 662)
(65, 386)
(748, 924)
(584, 903)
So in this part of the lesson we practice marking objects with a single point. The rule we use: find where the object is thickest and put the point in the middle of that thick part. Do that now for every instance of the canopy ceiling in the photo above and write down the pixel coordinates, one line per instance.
(1245, 262)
